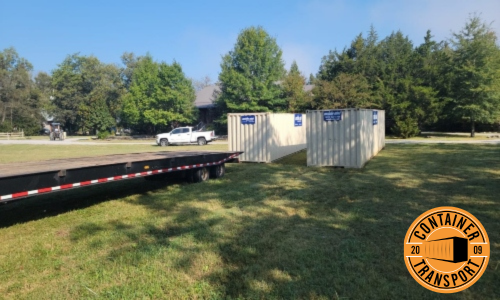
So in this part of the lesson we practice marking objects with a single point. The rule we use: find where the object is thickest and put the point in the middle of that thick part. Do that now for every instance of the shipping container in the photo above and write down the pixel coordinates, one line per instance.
(344, 137)
(452, 249)
(266, 137)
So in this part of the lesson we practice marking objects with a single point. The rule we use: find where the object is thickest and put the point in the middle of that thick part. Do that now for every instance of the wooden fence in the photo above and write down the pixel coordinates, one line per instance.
(10, 135)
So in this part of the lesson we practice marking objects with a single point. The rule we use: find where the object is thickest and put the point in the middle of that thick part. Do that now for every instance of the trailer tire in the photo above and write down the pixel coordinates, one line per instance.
(202, 141)
(217, 171)
(163, 142)
(199, 175)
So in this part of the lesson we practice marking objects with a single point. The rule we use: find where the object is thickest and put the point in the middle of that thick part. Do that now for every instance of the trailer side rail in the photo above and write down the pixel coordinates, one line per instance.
(142, 164)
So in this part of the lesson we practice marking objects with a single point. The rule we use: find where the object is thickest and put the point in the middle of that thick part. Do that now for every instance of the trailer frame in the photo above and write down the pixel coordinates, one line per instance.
(20, 180)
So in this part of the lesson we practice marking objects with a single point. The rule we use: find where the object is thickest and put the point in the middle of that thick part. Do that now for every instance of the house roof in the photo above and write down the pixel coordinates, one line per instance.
(308, 87)
(205, 97)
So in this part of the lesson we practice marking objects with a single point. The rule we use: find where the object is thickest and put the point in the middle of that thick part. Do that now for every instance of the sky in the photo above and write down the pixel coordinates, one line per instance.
(198, 33)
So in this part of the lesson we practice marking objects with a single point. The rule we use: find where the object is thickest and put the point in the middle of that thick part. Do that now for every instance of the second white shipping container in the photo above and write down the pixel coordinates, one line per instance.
(344, 137)
(266, 137)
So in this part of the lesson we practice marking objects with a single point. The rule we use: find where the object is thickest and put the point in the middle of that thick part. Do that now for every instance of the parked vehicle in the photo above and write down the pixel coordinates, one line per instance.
(185, 135)
(56, 132)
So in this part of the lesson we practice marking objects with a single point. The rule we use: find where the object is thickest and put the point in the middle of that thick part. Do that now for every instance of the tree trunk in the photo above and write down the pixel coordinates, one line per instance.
(472, 128)
(4, 112)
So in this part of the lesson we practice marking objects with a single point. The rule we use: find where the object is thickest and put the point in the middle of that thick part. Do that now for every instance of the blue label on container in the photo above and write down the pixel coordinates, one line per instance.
(375, 117)
(248, 120)
(332, 115)
(297, 120)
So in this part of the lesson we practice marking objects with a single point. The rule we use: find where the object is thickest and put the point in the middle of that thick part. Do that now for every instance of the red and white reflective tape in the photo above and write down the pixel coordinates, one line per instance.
(108, 179)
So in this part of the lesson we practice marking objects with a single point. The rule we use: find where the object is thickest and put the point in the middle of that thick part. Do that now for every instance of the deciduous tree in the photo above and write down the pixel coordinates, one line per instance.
(251, 74)
(160, 95)
(19, 100)
(82, 85)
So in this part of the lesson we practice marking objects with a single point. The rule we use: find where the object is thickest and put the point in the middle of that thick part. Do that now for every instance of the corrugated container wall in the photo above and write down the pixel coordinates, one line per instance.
(344, 137)
(266, 137)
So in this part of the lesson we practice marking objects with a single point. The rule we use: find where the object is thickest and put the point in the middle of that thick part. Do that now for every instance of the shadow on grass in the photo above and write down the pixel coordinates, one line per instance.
(287, 231)
(53, 204)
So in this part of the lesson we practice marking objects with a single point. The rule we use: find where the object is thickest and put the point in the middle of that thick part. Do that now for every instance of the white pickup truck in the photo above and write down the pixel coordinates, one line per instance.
(185, 135)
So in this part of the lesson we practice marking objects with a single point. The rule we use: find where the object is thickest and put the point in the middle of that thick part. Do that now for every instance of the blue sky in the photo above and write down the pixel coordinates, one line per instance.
(198, 33)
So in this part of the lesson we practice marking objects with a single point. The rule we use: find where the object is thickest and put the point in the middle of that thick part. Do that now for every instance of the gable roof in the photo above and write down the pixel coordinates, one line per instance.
(205, 97)
(308, 87)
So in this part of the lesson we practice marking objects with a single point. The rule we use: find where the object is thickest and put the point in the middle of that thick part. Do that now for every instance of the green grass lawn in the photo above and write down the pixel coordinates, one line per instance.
(264, 231)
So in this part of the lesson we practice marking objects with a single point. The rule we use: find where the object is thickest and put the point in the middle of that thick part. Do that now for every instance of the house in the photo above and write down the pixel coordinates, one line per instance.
(205, 99)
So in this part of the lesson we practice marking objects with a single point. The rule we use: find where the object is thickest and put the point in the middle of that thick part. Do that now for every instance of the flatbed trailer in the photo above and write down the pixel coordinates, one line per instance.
(19, 180)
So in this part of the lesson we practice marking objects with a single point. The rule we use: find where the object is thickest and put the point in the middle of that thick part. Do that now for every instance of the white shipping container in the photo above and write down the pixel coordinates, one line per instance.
(344, 137)
(266, 137)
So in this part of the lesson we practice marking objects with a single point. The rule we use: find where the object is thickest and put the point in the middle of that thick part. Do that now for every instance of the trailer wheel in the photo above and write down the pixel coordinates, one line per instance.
(202, 141)
(163, 142)
(218, 171)
(200, 175)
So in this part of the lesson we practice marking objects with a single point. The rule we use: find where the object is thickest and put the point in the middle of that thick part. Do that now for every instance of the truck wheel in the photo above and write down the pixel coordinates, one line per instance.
(218, 171)
(163, 142)
(202, 141)
(200, 175)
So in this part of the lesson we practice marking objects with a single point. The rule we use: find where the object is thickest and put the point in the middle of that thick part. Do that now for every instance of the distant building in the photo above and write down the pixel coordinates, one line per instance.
(205, 102)
(308, 87)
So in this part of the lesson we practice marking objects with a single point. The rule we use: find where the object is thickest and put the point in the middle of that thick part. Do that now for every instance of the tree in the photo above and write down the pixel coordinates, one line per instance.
(476, 69)
(251, 74)
(130, 61)
(160, 95)
(43, 84)
(198, 85)
(19, 98)
(431, 75)
(83, 84)
(15, 82)
(293, 90)
(312, 79)
(344, 91)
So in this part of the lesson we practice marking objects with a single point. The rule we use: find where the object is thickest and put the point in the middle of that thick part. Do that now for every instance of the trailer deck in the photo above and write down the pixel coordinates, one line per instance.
(18, 180)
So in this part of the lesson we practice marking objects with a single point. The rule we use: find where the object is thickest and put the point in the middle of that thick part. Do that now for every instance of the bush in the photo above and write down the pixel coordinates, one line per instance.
(103, 134)
(5, 127)
(406, 128)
